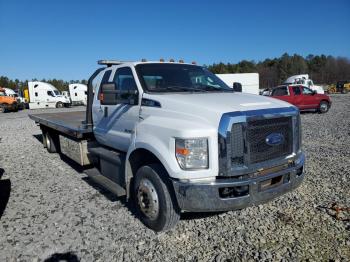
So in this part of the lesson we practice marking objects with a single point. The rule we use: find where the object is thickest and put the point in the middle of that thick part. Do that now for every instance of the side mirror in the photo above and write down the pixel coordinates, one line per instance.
(314, 92)
(109, 95)
(237, 87)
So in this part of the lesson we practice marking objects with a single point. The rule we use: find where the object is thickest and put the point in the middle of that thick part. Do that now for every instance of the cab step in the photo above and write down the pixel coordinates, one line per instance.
(105, 182)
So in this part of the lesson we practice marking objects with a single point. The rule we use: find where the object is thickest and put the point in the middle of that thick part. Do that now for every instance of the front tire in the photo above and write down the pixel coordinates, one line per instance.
(59, 105)
(154, 200)
(324, 107)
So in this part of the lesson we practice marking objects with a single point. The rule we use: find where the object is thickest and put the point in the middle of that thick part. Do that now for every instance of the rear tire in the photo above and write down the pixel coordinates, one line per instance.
(324, 107)
(59, 105)
(51, 142)
(2, 109)
(154, 199)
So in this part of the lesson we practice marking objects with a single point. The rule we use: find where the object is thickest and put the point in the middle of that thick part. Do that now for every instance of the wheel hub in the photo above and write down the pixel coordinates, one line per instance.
(148, 199)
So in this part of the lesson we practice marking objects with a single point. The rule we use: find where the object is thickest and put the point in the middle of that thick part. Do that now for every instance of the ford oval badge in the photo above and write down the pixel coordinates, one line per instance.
(274, 139)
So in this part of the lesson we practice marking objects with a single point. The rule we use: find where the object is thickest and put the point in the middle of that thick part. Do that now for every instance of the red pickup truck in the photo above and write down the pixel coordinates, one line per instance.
(302, 97)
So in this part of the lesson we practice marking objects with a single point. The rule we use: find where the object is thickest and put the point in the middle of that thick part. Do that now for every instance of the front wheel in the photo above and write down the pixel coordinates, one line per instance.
(324, 107)
(154, 199)
(59, 105)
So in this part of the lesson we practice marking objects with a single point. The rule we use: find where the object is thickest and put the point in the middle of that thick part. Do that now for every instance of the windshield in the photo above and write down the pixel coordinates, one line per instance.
(57, 93)
(161, 77)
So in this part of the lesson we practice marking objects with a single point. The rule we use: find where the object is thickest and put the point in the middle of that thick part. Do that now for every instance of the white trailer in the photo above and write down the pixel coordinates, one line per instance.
(249, 81)
(305, 81)
(45, 95)
(78, 94)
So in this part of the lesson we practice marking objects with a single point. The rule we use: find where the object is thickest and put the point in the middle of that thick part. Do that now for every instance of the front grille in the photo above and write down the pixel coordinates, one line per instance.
(237, 144)
(259, 130)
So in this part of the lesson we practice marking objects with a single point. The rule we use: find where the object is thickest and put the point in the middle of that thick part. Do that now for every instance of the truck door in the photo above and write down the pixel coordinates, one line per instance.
(298, 98)
(116, 123)
(308, 98)
(282, 93)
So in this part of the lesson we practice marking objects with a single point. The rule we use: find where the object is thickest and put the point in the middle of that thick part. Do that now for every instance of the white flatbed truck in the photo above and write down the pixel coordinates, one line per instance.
(174, 138)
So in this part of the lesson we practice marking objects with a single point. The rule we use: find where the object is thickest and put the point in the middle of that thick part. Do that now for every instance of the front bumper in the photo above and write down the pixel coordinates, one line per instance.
(209, 196)
(11, 107)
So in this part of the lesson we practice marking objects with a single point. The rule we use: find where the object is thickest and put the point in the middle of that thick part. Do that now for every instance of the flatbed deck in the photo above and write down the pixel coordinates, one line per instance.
(69, 123)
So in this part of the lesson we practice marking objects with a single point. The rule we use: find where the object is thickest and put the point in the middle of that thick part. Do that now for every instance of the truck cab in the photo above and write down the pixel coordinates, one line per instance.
(304, 80)
(302, 97)
(7, 102)
(78, 94)
(45, 95)
(175, 138)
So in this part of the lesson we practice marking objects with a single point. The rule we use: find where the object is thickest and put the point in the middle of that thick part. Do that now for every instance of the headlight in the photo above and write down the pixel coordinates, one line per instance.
(192, 153)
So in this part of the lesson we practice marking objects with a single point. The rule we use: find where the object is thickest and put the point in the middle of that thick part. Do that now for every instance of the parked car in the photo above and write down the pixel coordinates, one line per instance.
(302, 97)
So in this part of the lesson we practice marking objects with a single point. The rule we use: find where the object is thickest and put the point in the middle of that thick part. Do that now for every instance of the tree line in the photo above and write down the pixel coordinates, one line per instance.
(322, 69)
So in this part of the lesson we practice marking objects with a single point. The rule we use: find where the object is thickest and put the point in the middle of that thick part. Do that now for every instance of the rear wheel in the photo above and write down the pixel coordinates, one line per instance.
(2, 109)
(154, 199)
(324, 107)
(51, 142)
(59, 105)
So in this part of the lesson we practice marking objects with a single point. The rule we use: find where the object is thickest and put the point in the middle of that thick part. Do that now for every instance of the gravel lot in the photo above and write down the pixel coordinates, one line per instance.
(55, 209)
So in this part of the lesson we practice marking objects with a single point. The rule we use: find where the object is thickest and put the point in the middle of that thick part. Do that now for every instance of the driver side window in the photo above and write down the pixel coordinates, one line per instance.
(124, 79)
(50, 93)
(307, 91)
(125, 82)
(104, 80)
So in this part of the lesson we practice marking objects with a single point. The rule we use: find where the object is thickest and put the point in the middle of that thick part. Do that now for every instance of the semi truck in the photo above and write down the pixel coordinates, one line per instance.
(45, 95)
(173, 138)
(78, 94)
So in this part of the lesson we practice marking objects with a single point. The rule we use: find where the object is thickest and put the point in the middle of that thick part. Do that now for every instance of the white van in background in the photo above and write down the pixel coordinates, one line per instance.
(249, 81)
(44, 95)
(78, 94)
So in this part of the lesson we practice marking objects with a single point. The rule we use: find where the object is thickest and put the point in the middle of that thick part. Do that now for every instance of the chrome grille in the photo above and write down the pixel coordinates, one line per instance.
(258, 130)
(237, 144)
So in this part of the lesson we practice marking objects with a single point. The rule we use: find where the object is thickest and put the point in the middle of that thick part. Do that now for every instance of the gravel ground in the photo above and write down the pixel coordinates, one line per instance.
(55, 211)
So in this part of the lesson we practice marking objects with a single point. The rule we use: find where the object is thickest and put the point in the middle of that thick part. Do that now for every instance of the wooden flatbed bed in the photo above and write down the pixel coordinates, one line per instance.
(69, 123)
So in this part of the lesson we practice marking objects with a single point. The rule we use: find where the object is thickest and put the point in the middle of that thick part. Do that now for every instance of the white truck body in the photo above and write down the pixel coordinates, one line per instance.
(78, 94)
(305, 81)
(45, 95)
(249, 81)
(174, 138)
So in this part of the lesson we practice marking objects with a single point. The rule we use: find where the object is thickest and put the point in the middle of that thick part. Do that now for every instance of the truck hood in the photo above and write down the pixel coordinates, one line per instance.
(210, 106)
